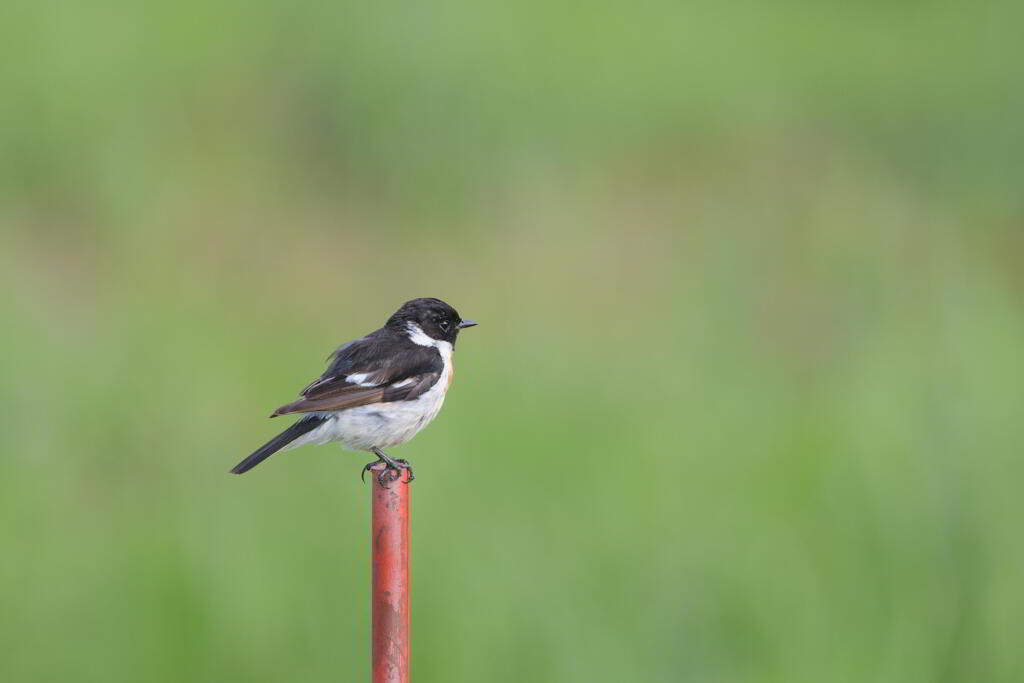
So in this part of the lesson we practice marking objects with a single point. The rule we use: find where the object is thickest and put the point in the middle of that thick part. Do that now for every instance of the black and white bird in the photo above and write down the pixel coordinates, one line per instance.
(378, 391)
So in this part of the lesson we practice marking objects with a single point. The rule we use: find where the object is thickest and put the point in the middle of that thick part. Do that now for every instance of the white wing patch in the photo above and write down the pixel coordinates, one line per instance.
(360, 379)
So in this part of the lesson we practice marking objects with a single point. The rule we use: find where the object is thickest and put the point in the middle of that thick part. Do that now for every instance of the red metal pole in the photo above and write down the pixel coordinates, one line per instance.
(390, 562)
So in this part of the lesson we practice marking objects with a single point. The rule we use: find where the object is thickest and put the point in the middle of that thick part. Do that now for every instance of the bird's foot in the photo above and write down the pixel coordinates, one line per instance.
(389, 469)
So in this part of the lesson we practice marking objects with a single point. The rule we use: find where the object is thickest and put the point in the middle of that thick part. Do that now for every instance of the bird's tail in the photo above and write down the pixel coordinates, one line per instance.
(306, 424)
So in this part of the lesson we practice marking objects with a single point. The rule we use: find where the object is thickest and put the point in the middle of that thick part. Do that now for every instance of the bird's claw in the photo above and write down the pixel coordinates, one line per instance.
(404, 465)
(386, 476)
(367, 466)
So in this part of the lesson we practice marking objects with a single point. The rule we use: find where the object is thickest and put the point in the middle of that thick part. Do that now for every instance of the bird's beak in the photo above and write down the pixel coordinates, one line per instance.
(466, 323)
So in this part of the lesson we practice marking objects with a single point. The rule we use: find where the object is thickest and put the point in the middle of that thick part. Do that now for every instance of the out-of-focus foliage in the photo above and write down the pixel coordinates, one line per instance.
(745, 400)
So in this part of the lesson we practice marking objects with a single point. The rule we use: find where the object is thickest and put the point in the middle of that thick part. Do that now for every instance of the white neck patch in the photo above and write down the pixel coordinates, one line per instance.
(418, 336)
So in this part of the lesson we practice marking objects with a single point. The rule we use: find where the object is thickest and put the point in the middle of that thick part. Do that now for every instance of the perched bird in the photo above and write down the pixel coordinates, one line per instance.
(378, 391)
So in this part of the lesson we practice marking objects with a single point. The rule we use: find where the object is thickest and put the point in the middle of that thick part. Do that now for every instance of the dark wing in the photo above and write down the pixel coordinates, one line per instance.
(380, 367)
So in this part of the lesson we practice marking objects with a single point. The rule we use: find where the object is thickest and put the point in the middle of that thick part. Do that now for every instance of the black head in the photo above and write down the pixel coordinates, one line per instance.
(437, 319)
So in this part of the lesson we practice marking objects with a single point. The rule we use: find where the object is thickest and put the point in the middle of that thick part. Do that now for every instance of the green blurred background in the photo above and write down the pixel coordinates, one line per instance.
(744, 403)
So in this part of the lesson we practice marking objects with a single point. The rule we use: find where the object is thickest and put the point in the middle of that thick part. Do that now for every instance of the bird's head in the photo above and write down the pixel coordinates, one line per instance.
(433, 317)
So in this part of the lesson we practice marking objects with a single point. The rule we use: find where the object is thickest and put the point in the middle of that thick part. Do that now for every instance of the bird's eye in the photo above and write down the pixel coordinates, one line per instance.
(444, 325)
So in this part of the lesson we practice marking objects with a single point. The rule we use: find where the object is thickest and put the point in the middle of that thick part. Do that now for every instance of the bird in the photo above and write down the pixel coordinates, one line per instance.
(378, 391)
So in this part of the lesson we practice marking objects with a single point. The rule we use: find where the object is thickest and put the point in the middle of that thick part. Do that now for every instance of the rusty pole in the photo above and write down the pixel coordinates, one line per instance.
(389, 555)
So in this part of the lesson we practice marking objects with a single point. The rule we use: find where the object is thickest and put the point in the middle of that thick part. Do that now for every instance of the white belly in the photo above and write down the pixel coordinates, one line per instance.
(382, 425)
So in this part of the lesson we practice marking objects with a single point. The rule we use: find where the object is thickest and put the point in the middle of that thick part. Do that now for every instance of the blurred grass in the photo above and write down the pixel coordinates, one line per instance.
(743, 405)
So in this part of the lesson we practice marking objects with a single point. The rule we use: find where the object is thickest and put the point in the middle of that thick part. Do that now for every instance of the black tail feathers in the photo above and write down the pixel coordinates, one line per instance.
(306, 424)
